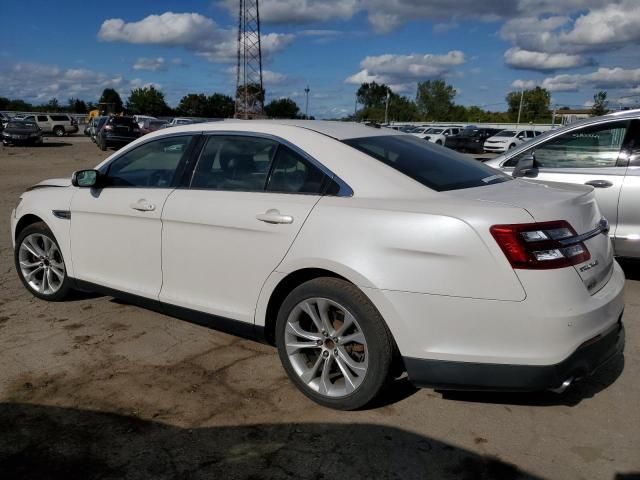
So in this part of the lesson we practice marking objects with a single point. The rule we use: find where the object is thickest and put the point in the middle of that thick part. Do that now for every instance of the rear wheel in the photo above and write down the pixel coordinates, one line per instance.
(334, 344)
(102, 144)
(40, 264)
(513, 145)
(438, 142)
(59, 131)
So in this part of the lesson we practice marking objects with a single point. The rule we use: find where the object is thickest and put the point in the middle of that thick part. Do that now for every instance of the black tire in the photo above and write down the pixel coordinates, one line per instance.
(63, 290)
(380, 346)
(59, 131)
(513, 145)
(438, 142)
(102, 145)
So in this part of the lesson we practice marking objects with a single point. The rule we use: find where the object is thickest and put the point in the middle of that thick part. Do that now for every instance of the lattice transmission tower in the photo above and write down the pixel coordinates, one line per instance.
(249, 90)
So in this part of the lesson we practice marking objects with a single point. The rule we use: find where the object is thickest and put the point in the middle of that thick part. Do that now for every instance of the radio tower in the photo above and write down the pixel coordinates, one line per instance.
(249, 91)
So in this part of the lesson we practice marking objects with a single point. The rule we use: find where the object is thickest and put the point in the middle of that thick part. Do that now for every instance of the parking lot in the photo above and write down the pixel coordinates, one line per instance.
(97, 388)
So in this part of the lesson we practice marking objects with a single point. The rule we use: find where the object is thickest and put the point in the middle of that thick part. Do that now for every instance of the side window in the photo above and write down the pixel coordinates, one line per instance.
(230, 162)
(43, 118)
(597, 146)
(30, 118)
(291, 173)
(152, 165)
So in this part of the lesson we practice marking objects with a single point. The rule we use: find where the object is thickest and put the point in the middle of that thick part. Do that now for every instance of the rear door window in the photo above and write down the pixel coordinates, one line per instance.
(43, 118)
(59, 118)
(232, 162)
(437, 168)
(291, 173)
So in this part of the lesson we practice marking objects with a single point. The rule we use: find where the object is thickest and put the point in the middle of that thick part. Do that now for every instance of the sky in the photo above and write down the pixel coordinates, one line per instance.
(484, 48)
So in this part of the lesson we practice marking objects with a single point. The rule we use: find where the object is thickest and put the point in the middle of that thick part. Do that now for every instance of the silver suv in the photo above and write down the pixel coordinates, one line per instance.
(603, 152)
(60, 124)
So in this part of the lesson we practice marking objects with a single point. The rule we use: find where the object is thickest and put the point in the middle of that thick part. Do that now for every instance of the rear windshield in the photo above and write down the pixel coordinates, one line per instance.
(433, 166)
(123, 121)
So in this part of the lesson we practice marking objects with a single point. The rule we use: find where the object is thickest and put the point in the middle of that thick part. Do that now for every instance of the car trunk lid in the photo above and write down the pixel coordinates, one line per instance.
(547, 202)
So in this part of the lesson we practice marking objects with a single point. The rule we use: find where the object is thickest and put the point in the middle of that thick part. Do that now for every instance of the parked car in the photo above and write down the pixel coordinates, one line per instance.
(419, 132)
(470, 139)
(438, 135)
(603, 152)
(508, 139)
(21, 133)
(358, 252)
(60, 124)
(139, 119)
(95, 125)
(117, 132)
(4, 119)
(151, 125)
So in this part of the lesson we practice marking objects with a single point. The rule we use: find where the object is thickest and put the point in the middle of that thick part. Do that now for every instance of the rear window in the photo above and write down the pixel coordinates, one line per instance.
(59, 118)
(128, 121)
(435, 167)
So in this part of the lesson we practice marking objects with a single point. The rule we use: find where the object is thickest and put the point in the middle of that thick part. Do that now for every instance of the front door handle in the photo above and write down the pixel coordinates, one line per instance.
(274, 216)
(143, 206)
(600, 183)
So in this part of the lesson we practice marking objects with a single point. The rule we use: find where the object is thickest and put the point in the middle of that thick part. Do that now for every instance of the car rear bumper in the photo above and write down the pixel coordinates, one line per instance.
(452, 375)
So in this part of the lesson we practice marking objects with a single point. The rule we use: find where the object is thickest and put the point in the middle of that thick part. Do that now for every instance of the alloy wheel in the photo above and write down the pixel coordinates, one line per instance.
(41, 264)
(326, 347)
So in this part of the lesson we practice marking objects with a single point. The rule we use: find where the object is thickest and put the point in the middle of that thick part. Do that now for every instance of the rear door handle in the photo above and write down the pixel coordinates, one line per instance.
(273, 216)
(143, 206)
(600, 183)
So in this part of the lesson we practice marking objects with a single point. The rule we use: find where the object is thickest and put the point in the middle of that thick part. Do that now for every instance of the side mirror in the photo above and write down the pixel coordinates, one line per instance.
(526, 167)
(85, 178)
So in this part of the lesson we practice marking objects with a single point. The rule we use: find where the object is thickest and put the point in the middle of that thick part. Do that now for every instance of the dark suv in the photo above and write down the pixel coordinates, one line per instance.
(117, 132)
(470, 139)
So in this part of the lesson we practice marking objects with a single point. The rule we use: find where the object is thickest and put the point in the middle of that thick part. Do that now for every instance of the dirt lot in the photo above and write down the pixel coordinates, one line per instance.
(94, 388)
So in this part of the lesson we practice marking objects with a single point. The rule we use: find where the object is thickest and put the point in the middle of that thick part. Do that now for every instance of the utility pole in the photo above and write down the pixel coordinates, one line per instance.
(306, 103)
(386, 108)
(520, 108)
(355, 109)
(249, 88)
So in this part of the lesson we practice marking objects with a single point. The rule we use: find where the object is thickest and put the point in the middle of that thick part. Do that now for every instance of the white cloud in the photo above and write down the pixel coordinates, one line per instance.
(38, 82)
(190, 31)
(523, 84)
(527, 60)
(401, 72)
(603, 78)
(273, 78)
(151, 64)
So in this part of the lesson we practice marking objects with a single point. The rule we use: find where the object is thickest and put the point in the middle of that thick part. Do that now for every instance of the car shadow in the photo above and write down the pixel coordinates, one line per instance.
(583, 389)
(54, 443)
(631, 268)
(55, 144)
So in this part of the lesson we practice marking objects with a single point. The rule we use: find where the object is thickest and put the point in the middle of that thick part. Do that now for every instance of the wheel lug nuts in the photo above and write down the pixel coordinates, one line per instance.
(318, 342)
(325, 354)
(335, 351)
(325, 333)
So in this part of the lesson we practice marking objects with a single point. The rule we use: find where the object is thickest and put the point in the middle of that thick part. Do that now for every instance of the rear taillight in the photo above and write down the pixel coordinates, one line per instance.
(108, 127)
(540, 245)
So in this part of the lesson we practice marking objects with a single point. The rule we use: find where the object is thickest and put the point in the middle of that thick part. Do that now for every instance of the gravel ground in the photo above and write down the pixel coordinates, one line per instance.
(96, 388)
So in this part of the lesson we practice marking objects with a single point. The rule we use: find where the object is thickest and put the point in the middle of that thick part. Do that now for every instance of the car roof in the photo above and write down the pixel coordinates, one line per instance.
(333, 129)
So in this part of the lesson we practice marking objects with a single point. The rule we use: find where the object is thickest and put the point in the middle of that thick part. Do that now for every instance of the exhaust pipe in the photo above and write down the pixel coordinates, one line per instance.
(566, 384)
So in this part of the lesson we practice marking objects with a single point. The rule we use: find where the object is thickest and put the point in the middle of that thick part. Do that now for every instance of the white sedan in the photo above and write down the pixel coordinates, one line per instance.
(359, 252)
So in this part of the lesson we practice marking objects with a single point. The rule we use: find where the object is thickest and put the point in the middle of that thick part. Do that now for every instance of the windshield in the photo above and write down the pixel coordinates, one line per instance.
(437, 168)
(506, 133)
(22, 125)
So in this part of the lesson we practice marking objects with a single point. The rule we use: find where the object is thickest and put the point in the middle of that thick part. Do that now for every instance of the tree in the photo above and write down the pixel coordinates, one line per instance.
(147, 101)
(199, 105)
(372, 94)
(77, 106)
(535, 104)
(435, 99)
(282, 108)
(110, 96)
(220, 106)
(4, 103)
(600, 104)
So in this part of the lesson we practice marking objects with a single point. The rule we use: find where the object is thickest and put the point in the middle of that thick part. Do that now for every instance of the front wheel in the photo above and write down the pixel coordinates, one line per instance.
(40, 264)
(59, 131)
(438, 142)
(334, 344)
(513, 145)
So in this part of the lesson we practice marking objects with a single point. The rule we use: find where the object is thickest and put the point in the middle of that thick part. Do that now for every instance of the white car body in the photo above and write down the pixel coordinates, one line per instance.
(420, 132)
(438, 135)
(601, 152)
(508, 139)
(460, 314)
